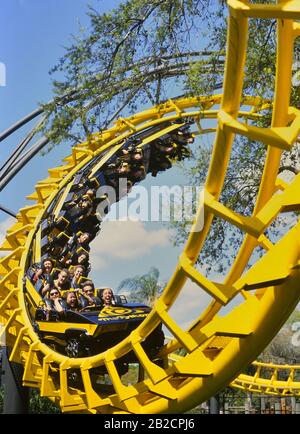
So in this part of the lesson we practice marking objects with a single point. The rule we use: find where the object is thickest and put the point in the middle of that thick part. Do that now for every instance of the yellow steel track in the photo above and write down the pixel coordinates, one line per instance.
(216, 347)
(271, 379)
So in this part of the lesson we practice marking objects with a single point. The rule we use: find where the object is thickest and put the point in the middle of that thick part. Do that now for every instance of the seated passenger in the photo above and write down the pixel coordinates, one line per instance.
(52, 302)
(71, 302)
(81, 240)
(158, 164)
(74, 243)
(43, 271)
(137, 155)
(76, 276)
(131, 155)
(118, 171)
(91, 195)
(83, 259)
(85, 208)
(164, 147)
(114, 173)
(67, 302)
(79, 259)
(62, 283)
(55, 244)
(92, 225)
(80, 212)
(88, 298)
(107, 297)
(138, 174)
(63, 280)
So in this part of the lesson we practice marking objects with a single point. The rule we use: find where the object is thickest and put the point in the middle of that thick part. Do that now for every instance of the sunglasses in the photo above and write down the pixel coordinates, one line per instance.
(54, 293)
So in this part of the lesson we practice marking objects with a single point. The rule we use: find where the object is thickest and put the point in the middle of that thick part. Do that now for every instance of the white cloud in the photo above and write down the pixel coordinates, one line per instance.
(125, 240)
(4, 225)
(190, 303)
(98, 262)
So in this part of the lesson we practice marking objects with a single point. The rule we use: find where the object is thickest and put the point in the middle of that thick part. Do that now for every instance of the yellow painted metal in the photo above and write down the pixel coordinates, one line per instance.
(267, 380)
(61, 327)
(217, 345)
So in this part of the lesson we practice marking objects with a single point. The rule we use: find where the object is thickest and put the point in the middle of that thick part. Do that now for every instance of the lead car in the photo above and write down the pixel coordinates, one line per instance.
(94, 330)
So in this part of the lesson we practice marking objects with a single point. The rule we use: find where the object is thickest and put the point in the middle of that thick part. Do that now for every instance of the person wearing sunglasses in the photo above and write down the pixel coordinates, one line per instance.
(62, 283)
(87, 297)
(53, 305)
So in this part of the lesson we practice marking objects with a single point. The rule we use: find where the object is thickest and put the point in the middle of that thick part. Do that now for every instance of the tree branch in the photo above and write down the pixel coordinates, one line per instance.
(288, 168)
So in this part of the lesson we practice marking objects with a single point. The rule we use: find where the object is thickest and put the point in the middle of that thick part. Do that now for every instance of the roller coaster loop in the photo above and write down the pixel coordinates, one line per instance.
(201, 360)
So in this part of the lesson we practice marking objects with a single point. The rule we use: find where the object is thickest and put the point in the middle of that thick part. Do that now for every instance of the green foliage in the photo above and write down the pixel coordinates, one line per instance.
(240, 189)
(145, 288)
(282, 350)
(40, 405)
(132, 55)
(126, 58)
(204, 75)
(139, 54)
(247, 158)
(37, 404)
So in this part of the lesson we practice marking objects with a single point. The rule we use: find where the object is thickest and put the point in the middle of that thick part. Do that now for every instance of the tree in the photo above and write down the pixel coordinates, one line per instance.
(127, 58)
(37, 404)
(137, 54)
(145, 288)
(41, 405)
(282, 348)
(247, 160)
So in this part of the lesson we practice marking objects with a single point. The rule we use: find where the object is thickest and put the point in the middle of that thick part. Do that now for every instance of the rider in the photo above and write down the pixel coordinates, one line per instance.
(107, 297)
(88, 298)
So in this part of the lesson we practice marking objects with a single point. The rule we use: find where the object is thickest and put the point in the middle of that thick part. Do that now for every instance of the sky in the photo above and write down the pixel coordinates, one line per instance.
(34, 35)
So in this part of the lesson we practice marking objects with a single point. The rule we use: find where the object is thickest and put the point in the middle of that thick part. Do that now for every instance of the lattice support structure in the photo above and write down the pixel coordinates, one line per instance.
(271, 379)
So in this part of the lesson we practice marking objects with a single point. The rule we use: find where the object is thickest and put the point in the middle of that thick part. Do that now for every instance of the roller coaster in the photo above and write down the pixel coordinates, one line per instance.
(247, 309)
(270, 379)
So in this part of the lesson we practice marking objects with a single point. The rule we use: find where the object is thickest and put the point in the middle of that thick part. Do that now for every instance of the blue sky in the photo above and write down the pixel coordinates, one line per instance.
(34, 34)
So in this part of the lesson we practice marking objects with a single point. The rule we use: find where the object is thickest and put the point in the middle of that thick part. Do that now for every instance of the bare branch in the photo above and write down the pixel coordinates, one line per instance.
(288, 168)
